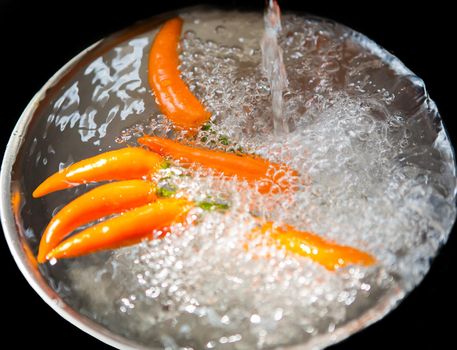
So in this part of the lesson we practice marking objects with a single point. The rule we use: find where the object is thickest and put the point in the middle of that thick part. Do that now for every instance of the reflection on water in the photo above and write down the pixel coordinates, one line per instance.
(117, 92)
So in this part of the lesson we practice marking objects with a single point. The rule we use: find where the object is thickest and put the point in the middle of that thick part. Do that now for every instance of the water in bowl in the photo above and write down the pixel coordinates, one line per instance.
(377, 173)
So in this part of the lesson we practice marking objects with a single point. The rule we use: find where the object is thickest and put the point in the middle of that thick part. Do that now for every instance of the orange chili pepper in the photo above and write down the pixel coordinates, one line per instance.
(330, 255)
(16, 202)
(267, 175)
(123, 164)
(127, 228)
(174, 98)
(100, 202)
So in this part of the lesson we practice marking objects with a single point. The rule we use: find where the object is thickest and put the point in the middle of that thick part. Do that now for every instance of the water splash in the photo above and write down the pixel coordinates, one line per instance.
(273, 65)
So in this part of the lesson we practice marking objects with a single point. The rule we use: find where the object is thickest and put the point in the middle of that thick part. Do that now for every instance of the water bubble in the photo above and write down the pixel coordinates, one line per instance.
(189, 34)
(220, 29)
(255, 319)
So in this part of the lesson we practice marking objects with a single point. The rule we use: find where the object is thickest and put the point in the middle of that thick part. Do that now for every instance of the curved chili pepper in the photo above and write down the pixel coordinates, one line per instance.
(123, 164)
(268, 176)
(328, 254)
(173, 97)
(125, 229)
(102, 201)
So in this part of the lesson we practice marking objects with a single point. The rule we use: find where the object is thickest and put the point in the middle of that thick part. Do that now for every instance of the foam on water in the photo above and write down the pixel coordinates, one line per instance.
(373, 175)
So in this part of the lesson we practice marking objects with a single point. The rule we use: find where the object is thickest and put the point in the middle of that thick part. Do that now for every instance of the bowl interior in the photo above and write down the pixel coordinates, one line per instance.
(86, 108)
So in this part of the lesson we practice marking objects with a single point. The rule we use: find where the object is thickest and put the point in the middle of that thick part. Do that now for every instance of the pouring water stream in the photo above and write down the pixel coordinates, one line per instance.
(273, 65)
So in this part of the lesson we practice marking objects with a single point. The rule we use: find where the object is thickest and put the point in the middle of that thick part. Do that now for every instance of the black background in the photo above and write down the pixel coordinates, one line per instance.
(37, 38)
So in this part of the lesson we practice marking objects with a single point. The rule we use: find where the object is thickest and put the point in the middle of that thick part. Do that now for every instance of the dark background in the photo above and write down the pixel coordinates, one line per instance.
(37, 38)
